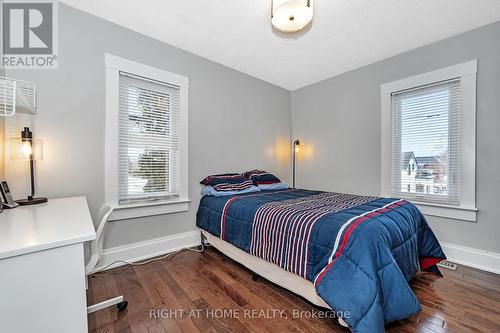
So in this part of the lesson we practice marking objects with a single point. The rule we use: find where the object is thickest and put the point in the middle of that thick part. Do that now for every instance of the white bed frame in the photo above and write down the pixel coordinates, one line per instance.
(269, 271)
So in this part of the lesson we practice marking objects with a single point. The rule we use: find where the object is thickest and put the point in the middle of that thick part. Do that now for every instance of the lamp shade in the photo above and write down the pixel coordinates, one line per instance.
(291, 15)
(28, 149)
(25, 150)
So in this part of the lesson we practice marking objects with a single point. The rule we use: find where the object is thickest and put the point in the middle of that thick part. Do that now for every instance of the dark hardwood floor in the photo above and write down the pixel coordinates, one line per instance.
(192, 292)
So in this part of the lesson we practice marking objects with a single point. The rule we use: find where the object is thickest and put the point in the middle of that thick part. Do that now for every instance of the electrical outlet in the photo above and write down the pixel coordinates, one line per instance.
(448, 265)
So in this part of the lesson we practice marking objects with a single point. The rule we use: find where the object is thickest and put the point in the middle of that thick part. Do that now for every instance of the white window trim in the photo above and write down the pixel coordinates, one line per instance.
(467, 73)
(113, 66)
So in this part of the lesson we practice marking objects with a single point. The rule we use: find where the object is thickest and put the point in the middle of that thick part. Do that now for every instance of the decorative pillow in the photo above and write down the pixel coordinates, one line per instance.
(208, 179)
(209, 190)
(261, 177)
(274, 187)
(227, 182)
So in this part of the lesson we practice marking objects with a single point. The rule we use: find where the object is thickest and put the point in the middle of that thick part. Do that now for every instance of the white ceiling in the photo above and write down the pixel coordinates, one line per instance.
(346, 34)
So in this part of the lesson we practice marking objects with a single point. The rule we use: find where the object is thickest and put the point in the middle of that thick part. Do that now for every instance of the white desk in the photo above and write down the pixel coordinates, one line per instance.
(42, 267)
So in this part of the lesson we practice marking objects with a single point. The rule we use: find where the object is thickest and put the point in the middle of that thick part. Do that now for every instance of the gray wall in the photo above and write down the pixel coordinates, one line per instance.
(236, 122)
(339, 122)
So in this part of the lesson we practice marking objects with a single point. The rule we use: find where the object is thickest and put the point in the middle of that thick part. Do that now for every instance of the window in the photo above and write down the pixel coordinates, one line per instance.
(426, 126)
(146, 139)
(428, 141)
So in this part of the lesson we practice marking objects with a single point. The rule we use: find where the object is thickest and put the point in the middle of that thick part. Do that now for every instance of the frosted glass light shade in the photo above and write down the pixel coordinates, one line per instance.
(291, 15)
(25, 150)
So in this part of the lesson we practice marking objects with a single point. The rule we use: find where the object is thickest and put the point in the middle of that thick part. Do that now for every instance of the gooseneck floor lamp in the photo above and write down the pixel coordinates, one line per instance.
(28, 149)
(296, 148)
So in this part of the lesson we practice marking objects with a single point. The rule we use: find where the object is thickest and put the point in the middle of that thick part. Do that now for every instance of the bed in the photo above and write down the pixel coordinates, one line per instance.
(353, 254)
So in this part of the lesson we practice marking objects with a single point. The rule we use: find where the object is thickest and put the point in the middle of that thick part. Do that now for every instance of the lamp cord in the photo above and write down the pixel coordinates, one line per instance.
(141, 263)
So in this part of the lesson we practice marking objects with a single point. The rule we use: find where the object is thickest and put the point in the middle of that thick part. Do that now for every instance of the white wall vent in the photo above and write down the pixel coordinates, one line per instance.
(16, 96)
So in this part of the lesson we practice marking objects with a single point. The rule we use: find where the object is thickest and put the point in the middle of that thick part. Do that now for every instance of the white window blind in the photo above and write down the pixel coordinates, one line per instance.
(426, 143)
(148, 152)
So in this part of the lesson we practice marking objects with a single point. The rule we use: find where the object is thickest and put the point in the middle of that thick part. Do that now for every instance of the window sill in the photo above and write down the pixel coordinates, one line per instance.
(130, 211)
(452, 212)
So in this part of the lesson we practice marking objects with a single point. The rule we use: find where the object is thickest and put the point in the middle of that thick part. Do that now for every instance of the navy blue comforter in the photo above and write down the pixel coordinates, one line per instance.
(359, 251)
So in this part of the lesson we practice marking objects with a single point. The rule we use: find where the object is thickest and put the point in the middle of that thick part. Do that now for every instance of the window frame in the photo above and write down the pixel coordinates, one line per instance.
(467, 72)
(114, 65)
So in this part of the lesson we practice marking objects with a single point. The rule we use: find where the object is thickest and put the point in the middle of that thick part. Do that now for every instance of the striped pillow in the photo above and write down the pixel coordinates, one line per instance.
(210, 179)
(225, 187)
(261, 177)
(227, 182)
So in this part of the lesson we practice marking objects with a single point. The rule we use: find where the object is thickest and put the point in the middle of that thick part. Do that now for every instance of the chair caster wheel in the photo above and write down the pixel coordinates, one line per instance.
(122, 306)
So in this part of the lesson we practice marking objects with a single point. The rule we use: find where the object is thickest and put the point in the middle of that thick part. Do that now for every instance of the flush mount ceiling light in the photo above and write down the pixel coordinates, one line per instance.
(291, 15)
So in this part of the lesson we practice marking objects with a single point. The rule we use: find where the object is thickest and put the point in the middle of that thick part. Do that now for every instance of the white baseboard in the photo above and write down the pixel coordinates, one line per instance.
(147, 249)
(467, 256)
(480, 259)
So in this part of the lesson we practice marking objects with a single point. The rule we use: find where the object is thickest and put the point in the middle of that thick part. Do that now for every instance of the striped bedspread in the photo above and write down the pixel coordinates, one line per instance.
(359, 251)
(281, 230)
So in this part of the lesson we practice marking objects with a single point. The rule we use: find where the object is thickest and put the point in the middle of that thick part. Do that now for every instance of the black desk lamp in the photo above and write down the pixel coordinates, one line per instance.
(31, 150)
(296, 147)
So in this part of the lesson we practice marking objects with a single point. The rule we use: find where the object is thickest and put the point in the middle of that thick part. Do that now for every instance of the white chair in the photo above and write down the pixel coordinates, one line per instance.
(95, 255)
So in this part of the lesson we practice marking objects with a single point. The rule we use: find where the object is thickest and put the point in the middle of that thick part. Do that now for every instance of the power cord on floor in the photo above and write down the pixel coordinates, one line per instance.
(141, 263)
